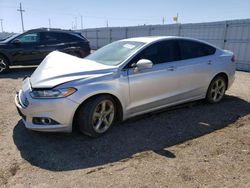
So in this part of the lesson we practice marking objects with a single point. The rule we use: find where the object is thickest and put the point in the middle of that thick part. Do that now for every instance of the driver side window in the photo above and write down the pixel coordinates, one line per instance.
(28, 38)
(160, 52)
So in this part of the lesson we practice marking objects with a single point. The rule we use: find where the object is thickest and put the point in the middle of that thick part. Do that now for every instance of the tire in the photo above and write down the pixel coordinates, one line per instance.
(216, 90)
(4, 65)
(96, 115)
(84, 53)
(77, 54)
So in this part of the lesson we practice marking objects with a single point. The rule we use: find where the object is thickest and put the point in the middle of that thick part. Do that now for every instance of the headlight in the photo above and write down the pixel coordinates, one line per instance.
(52, 93)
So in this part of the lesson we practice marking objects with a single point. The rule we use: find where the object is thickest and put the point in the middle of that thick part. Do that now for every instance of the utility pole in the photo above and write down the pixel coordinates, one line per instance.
(81, 23)
(1, 20)
(21, 12)
(163, 20)
(49, 24)
(75, 23)
(107, 23)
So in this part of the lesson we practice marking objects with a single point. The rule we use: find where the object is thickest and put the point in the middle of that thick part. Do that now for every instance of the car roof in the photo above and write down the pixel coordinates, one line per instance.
(52, 30)
(150, 39)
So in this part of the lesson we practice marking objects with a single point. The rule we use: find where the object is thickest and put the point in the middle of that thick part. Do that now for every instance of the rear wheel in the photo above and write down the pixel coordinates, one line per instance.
(216, 90)
(85, 53)
(96, 116)
(4, 65)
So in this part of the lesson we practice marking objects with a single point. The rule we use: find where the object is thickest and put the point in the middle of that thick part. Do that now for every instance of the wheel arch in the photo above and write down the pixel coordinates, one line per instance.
(6, 57)
(224, 75)
(116, 99)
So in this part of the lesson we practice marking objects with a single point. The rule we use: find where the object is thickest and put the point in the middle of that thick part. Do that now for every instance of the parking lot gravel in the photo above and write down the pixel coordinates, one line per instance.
(192, 145)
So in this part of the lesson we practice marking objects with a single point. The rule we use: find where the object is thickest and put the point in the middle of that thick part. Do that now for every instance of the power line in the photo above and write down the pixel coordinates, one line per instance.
(21, 13)
(54, 12)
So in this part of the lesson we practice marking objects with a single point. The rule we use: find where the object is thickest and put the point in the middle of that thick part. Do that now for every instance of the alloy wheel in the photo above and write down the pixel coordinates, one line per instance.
(3, 65)
(103, 116)
(218, 90)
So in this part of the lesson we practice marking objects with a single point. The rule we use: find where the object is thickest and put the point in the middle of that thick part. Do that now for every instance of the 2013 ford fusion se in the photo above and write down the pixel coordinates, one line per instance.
(121, 80)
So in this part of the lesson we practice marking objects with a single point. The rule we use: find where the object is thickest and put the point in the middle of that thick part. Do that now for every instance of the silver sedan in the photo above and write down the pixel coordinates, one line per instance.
(121, 80)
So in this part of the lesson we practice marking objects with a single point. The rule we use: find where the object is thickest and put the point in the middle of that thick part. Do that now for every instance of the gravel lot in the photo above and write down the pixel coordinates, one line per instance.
(195, 145)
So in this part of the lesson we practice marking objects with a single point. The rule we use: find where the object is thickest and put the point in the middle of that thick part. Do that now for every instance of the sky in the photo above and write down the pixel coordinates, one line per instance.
(67, 14)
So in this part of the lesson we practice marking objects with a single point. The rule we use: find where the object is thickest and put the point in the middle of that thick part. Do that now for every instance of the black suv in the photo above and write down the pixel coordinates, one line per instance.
(31, 47)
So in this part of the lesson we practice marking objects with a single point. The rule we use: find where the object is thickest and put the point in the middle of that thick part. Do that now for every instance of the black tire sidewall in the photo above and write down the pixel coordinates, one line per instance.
(208, 95)
(85, 113)
(7, 64)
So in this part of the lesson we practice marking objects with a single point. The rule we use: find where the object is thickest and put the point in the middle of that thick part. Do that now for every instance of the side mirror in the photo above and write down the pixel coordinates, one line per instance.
(144, 64)
(16, 41)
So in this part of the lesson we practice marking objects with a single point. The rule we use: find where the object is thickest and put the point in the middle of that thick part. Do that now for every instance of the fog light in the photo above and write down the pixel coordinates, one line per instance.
(44, 121)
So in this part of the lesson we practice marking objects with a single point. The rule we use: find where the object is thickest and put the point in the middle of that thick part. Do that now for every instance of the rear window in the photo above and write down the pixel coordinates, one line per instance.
(68, 37)
(192, 49)
(79, 35)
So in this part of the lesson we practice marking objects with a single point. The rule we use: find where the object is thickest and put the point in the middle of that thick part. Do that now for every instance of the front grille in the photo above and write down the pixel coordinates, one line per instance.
(23, 99)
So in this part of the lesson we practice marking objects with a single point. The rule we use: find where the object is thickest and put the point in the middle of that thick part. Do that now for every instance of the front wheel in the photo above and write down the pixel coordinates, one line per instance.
(216, 90)
(4, 65)
(96, 116)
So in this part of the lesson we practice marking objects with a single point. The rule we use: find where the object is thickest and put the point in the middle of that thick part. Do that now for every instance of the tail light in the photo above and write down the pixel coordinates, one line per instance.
(233, 59)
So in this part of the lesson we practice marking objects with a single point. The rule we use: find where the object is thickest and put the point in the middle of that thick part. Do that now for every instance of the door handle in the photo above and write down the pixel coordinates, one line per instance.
(172, 68)
(40, 46)
(209, 62)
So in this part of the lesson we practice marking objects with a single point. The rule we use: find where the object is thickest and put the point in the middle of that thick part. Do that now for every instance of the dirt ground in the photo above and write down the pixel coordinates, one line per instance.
(196, 145)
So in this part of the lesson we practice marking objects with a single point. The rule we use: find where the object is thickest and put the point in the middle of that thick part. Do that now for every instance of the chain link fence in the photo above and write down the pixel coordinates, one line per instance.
(232, 35)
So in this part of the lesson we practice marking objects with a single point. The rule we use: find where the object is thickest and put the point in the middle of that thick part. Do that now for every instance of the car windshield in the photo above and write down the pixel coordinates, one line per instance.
(9, 38)
(115, 53)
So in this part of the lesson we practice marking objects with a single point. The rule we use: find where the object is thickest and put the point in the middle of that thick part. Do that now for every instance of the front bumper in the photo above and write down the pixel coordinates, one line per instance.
(61, 110)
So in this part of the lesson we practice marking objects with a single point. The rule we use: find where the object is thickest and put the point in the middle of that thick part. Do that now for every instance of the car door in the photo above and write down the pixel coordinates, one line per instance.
(56, 41)
(49, 42)
(71, 45)
(154, 87)
(25, 49)
(194, 69)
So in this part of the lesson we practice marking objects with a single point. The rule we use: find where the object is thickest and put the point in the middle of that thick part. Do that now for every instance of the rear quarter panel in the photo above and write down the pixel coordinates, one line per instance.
(223, 64)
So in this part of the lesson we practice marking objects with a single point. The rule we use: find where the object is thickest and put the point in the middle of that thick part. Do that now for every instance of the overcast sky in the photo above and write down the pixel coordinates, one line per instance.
(96, 13)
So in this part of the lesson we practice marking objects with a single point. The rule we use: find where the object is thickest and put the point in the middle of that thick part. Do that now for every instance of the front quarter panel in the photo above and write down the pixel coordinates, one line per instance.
(115, 84)
(6, 49)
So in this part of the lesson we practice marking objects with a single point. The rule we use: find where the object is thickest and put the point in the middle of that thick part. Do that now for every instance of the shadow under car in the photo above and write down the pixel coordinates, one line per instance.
(63, 152)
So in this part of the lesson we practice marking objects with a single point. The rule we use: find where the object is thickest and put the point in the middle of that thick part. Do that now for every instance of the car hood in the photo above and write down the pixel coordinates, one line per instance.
(58, 68)
(2, 43)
